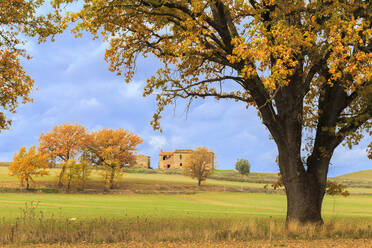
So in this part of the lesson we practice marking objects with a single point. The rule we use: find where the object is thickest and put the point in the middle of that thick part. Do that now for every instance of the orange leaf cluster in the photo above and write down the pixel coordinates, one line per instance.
(27, 164)
(107, 148)
(112, 149)
(201, 164)
(16, 17)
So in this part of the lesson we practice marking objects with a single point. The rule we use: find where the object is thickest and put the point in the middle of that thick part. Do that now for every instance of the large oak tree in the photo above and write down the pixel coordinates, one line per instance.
(305, 65)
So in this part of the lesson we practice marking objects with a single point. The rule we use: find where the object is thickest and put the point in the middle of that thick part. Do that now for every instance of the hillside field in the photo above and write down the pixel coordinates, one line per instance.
(166, 209)
(170, 195)
(357, 182)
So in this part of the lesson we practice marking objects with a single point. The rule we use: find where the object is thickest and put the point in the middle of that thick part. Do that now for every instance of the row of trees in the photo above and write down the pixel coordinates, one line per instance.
(73, 149)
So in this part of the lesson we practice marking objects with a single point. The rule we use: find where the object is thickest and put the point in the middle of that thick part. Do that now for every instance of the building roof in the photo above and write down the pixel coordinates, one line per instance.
(183, 150)
(165, 153)
(175, 151)
(142, 155)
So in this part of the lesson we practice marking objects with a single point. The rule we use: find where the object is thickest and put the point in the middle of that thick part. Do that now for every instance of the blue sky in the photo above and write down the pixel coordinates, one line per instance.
(74, 85)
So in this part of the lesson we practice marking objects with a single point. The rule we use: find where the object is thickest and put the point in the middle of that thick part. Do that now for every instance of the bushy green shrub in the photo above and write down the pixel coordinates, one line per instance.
(243, 166)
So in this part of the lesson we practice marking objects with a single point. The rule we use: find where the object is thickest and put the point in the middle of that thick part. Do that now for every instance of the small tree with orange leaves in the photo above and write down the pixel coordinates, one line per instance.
(113, 150)
(201, 164)
(25, 165)
(63, 143)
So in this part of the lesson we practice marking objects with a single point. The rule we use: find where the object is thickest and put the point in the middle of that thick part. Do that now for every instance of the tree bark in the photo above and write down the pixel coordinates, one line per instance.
(60, 184)
(112, 176)
(304, 183)
(304, 200)
(305, 189)
(27, 184)
(199, 182)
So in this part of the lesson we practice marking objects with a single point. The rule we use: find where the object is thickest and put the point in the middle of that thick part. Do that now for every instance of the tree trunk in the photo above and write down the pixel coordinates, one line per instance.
(199, 182)
(112, 176)
(60, 184)
(83, 177)
(69, 180)
(305, 189)
(27, 184)
(304, 200)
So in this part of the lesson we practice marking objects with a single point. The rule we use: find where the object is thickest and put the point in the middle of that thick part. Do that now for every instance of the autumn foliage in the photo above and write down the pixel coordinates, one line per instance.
(201, 164)
(75, 151)
(62, 144)
(16, 17)
(27, 164)
(76, 174)
(112, 150)
(304, 65)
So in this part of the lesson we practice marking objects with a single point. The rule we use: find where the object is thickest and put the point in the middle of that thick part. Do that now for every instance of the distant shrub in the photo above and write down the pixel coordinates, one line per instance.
(243, 166)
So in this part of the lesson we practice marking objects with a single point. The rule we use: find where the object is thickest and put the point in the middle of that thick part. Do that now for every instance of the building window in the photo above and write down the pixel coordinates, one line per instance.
(164, 157)
(168, 166)
(180, 164)
(180, 156)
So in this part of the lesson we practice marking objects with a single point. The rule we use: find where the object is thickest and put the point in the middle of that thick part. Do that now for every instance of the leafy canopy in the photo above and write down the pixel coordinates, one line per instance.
(27, 164)
(311, 59)
(19, 17)
(201, 164)
(112, 150)
(243, 166)
(64, 142)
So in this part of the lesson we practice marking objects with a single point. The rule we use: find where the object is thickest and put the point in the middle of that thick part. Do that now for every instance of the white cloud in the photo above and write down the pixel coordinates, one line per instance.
(178, 141)
(131, 90)
(209, 109)
(344, 155)
(268, 157)
(246, 136)
(157, 142)
(91, 102)
(85, 56)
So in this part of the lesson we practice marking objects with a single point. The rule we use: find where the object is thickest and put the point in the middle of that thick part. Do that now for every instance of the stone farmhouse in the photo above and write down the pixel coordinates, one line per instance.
(175, 160)
(143, 160)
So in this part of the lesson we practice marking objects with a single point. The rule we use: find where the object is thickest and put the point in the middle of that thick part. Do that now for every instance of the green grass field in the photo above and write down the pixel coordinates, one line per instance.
(173, 209)
(207, 204)
(201, 205)
(364, 175)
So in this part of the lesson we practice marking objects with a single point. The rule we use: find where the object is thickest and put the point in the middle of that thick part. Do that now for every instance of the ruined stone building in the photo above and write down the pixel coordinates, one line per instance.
(143, 160)
(175, 160)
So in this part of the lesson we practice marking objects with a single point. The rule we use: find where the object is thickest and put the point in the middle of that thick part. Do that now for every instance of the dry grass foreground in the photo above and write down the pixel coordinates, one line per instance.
(33, 231)
(349, 243)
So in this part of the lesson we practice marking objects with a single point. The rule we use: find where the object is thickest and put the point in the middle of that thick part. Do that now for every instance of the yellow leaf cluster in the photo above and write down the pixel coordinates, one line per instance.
(27, 164)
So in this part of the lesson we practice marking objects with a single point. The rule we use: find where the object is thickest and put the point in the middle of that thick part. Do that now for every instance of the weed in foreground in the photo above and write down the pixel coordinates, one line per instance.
(33, 227)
